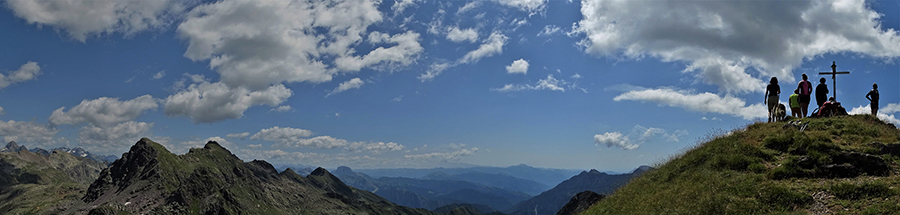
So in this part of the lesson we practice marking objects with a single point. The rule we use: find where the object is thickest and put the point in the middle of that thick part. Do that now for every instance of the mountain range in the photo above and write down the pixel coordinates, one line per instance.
(551, 201)
(12, 146)
(546, 176)
(150, 179)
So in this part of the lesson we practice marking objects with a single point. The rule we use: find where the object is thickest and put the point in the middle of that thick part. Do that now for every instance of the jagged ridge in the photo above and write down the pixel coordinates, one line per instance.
(150, 179)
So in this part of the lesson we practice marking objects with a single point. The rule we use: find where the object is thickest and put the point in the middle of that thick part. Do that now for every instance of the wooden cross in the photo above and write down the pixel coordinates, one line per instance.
(833, 74)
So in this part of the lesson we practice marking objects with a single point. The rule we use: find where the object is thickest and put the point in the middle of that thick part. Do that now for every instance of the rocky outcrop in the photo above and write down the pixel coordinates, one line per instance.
(580, 202)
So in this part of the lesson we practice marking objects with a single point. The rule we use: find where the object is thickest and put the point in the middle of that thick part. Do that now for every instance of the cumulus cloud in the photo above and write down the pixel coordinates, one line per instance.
(734, 44)
(295, 137)
(886, 113)
(701, 102)
(460, 35)
(354, 83)
(238, 135)
(283, 108)
(493, 45)
(27, 71)
(26, 132)
(258, 43)
(639, 135)
(104, 111)
(549, 83)
(281, 135)
(206, 102)
(453, 156)
(400, 5)
(83, 19)
(531, 6)
(112, 139)
(159, 75)
(616, 139)
(518, 66)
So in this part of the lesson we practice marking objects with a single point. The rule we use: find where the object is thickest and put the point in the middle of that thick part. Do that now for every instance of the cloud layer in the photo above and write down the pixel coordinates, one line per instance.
(721, 41)
(701, 102)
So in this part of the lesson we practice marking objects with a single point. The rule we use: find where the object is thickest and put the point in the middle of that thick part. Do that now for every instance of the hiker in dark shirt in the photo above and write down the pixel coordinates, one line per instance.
(805, 89)
(872, 96)
(772, 92)
(821, 93)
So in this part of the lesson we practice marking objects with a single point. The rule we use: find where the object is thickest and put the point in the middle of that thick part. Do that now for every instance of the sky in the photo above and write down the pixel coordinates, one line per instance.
(607, 85)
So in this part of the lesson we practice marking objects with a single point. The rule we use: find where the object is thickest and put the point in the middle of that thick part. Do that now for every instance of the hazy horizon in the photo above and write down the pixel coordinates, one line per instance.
(606, 85)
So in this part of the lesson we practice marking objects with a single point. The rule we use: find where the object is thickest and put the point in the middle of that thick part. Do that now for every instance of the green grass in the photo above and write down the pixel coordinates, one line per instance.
(767, 168)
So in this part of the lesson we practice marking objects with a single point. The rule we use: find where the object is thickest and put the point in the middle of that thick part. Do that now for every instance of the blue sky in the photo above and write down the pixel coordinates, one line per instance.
(609, 85)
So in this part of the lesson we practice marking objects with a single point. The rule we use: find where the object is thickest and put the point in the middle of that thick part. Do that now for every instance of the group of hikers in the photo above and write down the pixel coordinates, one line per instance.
(799, 101)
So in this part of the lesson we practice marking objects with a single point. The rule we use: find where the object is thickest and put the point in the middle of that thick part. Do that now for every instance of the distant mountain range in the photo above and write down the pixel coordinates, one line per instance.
(12, 146)
(434, 193)
(546, 176)
(551, 201)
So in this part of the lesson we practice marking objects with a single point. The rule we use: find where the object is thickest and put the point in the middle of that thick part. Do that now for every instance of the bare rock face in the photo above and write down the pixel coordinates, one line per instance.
(580, 202)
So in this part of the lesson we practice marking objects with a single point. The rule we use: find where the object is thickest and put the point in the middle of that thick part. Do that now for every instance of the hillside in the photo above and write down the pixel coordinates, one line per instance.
(846, 165)
(551, 201)
(33, 183)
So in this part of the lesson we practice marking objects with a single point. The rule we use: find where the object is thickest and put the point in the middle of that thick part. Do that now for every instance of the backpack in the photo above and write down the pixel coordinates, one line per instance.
(805, 87)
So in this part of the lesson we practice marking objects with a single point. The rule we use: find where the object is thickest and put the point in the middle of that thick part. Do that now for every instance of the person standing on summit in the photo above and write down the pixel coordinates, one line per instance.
(772, 92)
(805, 89)
(872, 96)
(821, 93)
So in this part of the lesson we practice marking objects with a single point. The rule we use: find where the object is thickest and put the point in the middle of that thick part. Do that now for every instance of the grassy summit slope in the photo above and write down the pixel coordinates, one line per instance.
(843, 165)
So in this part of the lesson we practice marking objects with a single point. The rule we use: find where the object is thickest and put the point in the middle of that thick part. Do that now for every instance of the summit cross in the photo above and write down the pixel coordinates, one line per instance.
(833, 74)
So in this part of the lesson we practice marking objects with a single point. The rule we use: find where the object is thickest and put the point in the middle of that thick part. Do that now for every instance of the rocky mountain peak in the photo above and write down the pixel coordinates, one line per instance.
(12, 146)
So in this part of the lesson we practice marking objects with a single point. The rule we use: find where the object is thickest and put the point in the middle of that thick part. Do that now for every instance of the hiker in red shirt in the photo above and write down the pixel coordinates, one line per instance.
(805, 90)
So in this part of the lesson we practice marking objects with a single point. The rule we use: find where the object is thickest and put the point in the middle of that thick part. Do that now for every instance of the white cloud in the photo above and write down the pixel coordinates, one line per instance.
(295, 138)
(281, 135)
(159, 75)
(395, 99)
(406, 50)
(374, 147)
(206, 102)
(702, 102)
(549, 83)
(453, 156)
(82, 19)
(885, 113)
(518, 66)
(638, 136)
(26, 132)
(433, 71)
(283, 108)
(258, 43)
(27, 71)
(531, 6)
(1, 111)
(549, 30)
(112, 139)
(468, 6)
(616, 139)
(104, 111)
(400, 5)
(354, 83)
(493, 45)
(721, 41)
(460, 35)
(238, 135)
